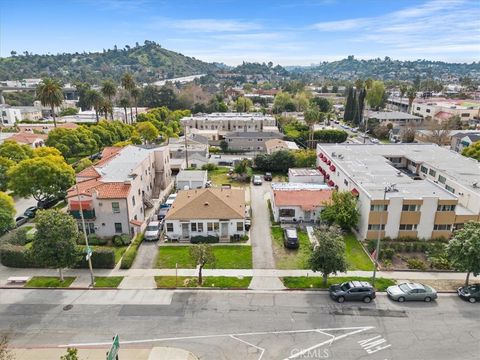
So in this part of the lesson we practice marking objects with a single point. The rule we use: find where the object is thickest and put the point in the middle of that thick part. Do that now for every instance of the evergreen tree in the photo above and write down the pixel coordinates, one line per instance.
(349, 105)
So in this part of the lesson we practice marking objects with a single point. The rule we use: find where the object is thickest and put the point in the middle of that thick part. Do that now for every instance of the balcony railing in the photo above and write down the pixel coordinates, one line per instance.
(87, 214)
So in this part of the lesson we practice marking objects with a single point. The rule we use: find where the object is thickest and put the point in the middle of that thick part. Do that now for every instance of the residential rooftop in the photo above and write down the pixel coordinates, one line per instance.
(287, 186)
(391, 115)
(192, 175)
(230, 116)
(253, 134)
(304, 172)
(368, 166)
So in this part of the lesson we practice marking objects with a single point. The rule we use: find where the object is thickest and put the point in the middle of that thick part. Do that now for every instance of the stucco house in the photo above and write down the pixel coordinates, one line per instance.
(191, 179)
(206, 212)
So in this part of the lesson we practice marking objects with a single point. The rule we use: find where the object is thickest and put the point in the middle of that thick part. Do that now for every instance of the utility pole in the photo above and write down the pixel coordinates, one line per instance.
(89, 253)
(186, 146)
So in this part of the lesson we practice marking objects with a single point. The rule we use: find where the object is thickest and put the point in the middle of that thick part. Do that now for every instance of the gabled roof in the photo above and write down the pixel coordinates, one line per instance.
(306, 199)
(89, 172)
(27, 138)
(211, 203)
(111, 190)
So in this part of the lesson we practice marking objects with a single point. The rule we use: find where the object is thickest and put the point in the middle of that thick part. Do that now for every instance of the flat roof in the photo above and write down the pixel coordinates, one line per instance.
(253, 134)
(194, 175)
(304, 172)
(367, 165)
(287, 186)
(391, 115)
(229, 116)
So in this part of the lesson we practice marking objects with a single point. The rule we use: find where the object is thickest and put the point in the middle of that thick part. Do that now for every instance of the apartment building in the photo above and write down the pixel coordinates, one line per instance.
(396, 118)
(119, 194)
(9, 116)
(250, 141)
(442, 109)
(420, 190)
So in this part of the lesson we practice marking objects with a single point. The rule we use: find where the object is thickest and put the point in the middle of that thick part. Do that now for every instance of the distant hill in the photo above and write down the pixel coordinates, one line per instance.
(388, 69)
(149, 62)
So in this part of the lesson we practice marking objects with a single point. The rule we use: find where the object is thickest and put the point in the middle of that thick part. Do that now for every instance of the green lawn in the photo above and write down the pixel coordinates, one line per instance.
(227, 257)
(357, 259)
(210, 281)
(290, 258)
(107, 281)
(316, 282)
(220, 176)
(49, 282)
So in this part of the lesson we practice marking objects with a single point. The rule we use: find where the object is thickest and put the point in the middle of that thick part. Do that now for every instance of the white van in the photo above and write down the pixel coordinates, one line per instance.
(152, 232)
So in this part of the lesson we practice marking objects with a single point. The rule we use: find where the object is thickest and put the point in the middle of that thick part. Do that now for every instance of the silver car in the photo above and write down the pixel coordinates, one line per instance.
(411, 292)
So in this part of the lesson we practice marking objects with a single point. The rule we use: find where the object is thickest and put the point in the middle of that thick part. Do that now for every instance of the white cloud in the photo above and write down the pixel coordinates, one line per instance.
(341, 25)
(207, 25)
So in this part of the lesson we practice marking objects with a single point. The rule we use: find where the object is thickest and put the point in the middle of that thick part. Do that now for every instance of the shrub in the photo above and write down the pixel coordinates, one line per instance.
(416, 264)
(371, 245)
(210, 239)
(387, 263)
(209, 167)
(131, 253)
(439, 263)
(93, 240)
(20, 237)
(415, 246)
(16, 256)
(388, 253)
(213, 150)
(270, 211)
(102, 258)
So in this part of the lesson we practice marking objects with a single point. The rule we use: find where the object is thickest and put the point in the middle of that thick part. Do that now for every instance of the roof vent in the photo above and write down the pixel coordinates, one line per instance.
(475, 184)
(205, 203)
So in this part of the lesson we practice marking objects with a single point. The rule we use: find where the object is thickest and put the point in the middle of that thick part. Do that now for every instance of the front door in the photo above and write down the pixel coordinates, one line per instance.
(185, 227)
(307, 216)
(224, 229)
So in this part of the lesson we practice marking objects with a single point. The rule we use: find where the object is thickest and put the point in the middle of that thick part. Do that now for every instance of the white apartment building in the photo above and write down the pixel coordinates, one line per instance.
(119, 194)
(444, 109)
(9, 115)
(432, 190)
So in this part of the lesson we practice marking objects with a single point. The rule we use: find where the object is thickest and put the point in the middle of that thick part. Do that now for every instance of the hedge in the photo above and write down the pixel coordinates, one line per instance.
(131, 253)
(101, 258)
(210, 239)
(92, 240)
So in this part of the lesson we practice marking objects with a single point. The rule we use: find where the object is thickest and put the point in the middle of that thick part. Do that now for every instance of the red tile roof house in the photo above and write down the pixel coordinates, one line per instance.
(299, 205)
(119, 194)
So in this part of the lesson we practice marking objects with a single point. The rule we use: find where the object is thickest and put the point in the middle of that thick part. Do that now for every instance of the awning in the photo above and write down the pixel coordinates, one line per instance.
(332, 167)
(355, 192)
(327, 176)
(320, 156)
(328, 162)
(75, 204)
(324, 159)
(330, 183)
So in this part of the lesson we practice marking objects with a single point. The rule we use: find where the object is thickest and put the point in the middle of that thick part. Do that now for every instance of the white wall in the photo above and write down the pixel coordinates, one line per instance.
(427, 217)
(177, 228)
(393, 221)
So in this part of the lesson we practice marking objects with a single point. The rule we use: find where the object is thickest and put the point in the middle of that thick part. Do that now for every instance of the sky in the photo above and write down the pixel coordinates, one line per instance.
(286, 32)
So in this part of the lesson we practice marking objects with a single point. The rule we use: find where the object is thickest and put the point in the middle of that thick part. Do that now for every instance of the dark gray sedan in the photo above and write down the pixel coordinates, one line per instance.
(411, 292)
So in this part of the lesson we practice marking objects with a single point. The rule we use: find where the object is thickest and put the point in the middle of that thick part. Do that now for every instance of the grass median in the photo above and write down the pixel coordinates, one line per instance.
(223, 282)
(316, 282)
(49, 282)
(107, 281)
(226, 257)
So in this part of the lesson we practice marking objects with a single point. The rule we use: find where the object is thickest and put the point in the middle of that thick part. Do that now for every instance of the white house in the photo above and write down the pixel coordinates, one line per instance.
(191, 179)
(206, 212)
(9, 116)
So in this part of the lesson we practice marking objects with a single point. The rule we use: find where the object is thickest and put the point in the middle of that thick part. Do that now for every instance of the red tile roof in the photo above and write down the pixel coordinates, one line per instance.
(89, 172)
(110, 190)
(27, 138)
(306, 199)
(443, 115)
(136, 222)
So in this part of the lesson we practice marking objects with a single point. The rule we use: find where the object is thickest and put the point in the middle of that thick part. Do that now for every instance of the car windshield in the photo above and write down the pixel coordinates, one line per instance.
(345, 286)
(404, 287)
(152, 228)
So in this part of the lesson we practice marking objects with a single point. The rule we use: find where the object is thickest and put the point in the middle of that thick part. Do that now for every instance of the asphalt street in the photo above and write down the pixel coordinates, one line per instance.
(243, 324)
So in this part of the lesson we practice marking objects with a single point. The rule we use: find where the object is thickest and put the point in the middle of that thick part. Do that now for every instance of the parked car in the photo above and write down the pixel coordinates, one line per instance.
(352, 290)
(47, 203)
(290, 238)
(170, 200)
(257, 180)
(411, 291)
(30, 212)
(374, 141)
(20, 220)
(470, 293)
(267, 176)
(152, 232)
(162, 213)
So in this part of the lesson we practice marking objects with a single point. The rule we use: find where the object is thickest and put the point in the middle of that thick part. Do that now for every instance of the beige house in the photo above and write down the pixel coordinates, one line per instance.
(250, 141)
(120, 193)
(206, 212)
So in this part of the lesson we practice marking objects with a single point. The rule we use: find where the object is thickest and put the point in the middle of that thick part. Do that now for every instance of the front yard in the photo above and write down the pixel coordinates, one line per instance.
(220, 176)
(223, 282)
(357, 259)
(290, 258)
(226, 257)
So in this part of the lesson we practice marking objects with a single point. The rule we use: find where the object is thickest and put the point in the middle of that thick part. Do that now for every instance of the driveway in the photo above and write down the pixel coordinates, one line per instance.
(21, 204)
(260, 231)
(146, 255)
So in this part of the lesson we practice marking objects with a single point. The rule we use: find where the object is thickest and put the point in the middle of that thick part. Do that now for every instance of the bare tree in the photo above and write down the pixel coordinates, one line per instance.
(408, 135)
(5, 353)
(438, 133)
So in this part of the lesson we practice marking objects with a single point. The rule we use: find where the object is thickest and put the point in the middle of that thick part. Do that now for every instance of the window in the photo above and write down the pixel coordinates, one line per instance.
(133, 200)
(193, 226)
(116, 207)
(239, 226)
(216, 226)
(441, 179)
(378, 207)
(169, 227)
(286, 212)
(376, 227)
(432, 172)
(423, 169)
(446, 208)
(442, 227)
(213, 226)
(449, 188)
(418, 107)
(200, 227)
(407, 207)
(118, 228)
(408, 227)
(428, 110)
(465, 115)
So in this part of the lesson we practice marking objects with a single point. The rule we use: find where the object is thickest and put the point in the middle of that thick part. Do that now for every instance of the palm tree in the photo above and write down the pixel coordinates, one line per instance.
(124, 103)
(95, 99)
(50, 93)
(109, 89)
(107, 108)
(403, 90)
(312, 116)
(411, 94)
(135, 93)
(128, 83)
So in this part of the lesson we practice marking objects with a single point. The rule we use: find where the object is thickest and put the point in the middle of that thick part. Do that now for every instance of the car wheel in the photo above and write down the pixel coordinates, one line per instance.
(340, 299)
(427, 299)
(472, 300)
(401, 299)
(367, 299)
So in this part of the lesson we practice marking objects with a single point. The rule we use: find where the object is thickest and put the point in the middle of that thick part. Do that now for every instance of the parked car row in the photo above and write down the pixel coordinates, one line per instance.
(408, 291)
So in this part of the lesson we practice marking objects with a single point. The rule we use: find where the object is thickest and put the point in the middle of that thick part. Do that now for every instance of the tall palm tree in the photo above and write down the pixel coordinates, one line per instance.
(128, 83)
(50, 93)
(312, 116)
(135, 93)
(107, 108)
(411, 94)
(403, 90)
(109, 89)
(95, 99)
(124, 103)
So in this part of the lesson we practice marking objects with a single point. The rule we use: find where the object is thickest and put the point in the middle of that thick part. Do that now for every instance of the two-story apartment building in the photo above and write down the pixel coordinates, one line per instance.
(117, 193)
(419, 190)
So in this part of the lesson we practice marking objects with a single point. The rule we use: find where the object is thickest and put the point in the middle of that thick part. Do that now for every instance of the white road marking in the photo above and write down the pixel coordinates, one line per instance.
(255, 346)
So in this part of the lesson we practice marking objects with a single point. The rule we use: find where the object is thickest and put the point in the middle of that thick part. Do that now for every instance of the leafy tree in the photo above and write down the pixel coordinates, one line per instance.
(243, 104)
(342, 210)
(376, 95)
(330, 136)
(109, 90)
(7, 212)
(243, 168)
(41, 177)
(463, 249)
(302, 101)
(147, 131)
(223, 145)
(283, 102)
(83, 164)
(408, 135)
(279, 161)
(12, 150)
(305, 158)
(5, 165)
(350, 104)
(69, 111)
(72, 354)
(54, 244)
(73, 142)
(82, 89)
(473, 151)
(312, 117)
(50, 93)
(381, 132)
(322, 103)
(202, 254)
(329, 256)
(46, 151)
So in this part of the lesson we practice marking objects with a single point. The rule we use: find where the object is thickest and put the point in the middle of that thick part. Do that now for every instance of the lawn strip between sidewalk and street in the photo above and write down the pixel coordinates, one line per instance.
(223, 282)
(310, 282)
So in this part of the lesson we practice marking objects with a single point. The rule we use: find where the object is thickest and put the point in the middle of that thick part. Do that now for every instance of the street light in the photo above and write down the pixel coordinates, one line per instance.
(387, 189)
(89, 253)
